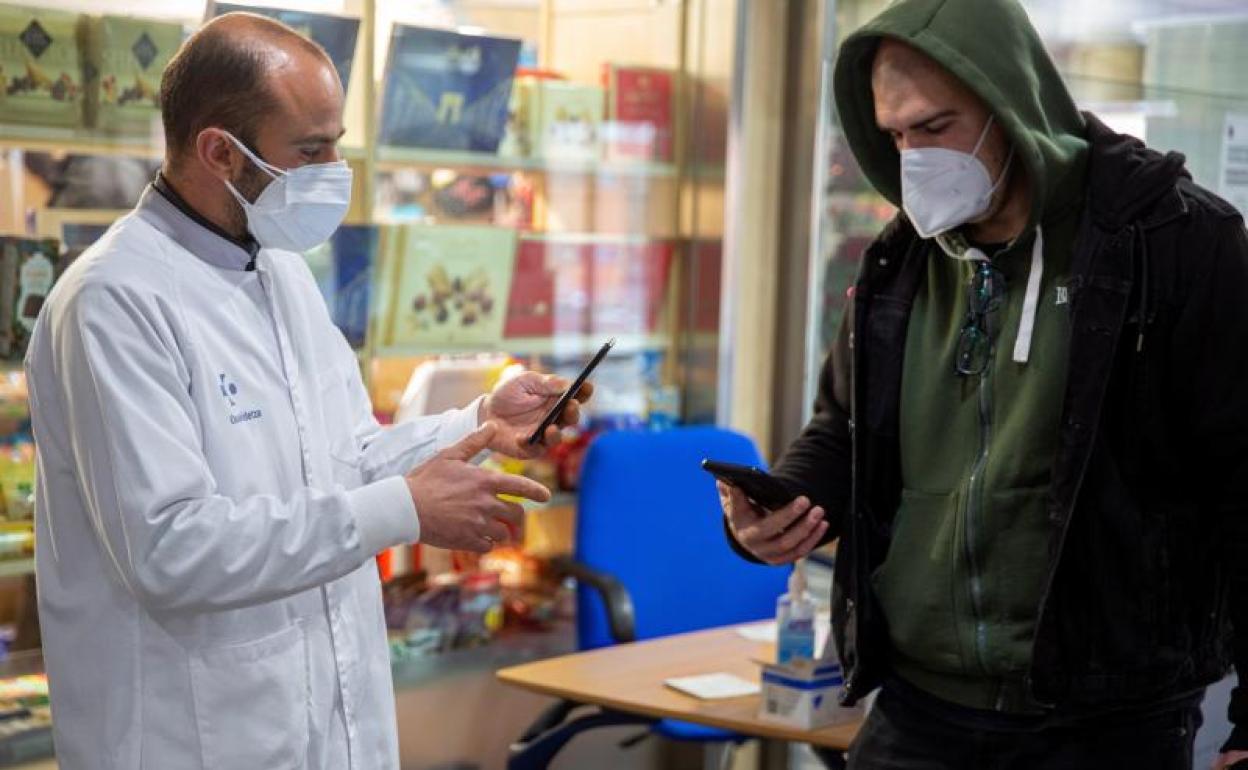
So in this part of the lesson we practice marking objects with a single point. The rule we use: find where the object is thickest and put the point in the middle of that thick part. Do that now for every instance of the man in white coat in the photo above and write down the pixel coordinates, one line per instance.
(213, 486)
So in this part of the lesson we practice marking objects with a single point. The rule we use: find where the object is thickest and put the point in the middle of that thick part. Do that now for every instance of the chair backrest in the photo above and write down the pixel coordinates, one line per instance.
(650, 516)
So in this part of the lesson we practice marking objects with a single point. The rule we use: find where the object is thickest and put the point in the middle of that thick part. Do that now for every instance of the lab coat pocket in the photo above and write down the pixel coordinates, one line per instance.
(251, 703)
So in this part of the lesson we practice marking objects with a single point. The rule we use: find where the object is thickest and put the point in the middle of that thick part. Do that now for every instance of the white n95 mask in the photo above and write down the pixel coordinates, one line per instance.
(301, 207)
(941, 188)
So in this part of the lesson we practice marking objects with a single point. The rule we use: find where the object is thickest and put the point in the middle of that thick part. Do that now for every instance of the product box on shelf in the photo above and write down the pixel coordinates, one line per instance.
(447, 90)
(28, 268)
(343, 267)
(630, 283)
(640, 112)
(41, 69)
(567, 120)
(588, 286)
(519, 139)
(440, 286)
(550, 289)
(336, 34)
(125, 58)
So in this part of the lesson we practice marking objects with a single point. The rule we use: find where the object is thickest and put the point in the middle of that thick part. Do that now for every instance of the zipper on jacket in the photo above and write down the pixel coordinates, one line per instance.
(972, 514)
(973, 510)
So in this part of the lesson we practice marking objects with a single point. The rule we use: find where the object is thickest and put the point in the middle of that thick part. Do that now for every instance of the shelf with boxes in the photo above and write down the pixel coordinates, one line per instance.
(82, 81)
(396, 158)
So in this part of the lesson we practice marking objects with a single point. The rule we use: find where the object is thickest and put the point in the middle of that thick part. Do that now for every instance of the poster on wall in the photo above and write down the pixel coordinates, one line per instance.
(1234, 167)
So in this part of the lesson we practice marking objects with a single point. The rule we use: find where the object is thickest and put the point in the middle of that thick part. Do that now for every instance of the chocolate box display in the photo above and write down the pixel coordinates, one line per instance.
(41, 70)
(125, 58)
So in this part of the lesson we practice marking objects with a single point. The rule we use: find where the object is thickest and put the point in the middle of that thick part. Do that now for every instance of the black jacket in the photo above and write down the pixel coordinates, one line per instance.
(1148, 554)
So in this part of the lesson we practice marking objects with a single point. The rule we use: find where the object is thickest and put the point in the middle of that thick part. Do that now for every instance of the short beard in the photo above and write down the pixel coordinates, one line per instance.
(249, 184)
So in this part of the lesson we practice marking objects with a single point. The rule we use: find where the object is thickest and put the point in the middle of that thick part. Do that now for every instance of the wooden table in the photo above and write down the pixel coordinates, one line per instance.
(629, 678)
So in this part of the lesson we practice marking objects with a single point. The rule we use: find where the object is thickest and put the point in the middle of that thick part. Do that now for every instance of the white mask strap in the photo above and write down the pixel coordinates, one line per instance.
(237, 195)
(264, 166)
(1001, 178)
(982, 135)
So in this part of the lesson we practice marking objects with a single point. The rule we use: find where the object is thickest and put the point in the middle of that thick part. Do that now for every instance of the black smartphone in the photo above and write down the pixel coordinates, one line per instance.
(758, 485)
(556, 411)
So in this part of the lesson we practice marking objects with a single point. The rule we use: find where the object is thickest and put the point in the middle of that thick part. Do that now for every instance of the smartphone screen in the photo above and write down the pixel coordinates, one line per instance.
(557, 410)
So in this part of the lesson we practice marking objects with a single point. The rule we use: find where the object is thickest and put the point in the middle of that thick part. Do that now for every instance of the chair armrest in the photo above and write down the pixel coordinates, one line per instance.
(621, 617)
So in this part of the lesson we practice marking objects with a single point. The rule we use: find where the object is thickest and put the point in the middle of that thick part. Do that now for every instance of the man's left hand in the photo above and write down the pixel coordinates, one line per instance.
(519, 404)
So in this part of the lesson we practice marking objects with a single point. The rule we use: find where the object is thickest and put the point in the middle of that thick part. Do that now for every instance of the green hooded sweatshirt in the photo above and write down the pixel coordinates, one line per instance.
(962, 581)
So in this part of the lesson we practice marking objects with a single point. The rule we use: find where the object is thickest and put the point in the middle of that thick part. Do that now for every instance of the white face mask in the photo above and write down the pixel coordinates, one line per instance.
(301, 207)
(941, 189)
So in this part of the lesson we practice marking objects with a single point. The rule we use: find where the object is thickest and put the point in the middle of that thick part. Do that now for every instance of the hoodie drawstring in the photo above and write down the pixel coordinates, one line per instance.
(1031, 301)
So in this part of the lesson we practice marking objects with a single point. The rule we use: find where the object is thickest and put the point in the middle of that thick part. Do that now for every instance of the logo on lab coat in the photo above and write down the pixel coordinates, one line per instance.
(229, 389)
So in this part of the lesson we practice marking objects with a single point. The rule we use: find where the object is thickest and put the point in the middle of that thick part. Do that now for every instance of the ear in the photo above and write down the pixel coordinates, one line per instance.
(217, 153)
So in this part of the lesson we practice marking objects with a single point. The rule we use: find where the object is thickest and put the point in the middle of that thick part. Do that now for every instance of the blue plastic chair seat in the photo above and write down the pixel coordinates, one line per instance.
(687, 731)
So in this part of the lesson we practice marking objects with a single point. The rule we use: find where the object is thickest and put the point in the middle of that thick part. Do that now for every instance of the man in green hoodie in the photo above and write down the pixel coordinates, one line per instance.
(1032, 437)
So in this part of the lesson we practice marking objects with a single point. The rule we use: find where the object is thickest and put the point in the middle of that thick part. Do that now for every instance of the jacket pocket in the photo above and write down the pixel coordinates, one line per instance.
(251, 703)
(921, 586)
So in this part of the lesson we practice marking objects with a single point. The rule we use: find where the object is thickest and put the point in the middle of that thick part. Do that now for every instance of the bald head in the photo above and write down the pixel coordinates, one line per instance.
(235, 73)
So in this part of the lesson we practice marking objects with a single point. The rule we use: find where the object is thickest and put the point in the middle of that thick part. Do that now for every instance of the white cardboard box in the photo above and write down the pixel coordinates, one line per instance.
(804, 694)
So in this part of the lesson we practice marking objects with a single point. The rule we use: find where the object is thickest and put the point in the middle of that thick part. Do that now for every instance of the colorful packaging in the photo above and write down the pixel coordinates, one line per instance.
(567, 120)
(28, 268)
(447, 90)
(639, 113)
(551, 289)
(630, 284)
(125, 58)
(17, 479)
(517, 141)
(41, 78)
(443, 287)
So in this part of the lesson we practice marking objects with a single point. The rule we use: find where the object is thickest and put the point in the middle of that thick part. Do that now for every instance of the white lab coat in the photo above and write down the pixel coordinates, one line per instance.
(212, 488)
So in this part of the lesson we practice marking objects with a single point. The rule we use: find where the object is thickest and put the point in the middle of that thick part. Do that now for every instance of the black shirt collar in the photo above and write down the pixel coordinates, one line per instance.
(249, 244)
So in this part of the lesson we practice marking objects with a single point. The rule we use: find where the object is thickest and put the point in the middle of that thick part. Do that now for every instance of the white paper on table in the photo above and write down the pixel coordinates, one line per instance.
(713, 686)
(765, 632)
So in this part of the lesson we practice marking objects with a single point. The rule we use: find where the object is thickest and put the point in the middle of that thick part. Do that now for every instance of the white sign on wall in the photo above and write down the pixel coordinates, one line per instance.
(1233, 178)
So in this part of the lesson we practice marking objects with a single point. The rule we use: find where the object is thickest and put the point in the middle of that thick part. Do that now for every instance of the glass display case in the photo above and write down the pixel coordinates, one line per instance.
(564, 157)
(532, 177)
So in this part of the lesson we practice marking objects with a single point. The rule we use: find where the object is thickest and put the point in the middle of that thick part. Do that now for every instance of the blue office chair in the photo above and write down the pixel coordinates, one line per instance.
(652, 560)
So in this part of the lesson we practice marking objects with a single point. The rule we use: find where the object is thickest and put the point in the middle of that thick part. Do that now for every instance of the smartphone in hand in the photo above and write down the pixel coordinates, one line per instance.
(557, 410)
(765, 490)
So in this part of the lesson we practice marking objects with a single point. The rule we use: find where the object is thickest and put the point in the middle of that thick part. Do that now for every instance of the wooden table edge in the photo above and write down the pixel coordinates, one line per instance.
(758, 729)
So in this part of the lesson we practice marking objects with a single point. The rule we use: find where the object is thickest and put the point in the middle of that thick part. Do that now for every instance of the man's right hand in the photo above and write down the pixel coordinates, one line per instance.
(773, 537)
(458, 502)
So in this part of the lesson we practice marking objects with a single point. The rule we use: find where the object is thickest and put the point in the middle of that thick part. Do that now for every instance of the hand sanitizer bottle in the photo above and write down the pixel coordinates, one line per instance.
(795, 621)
